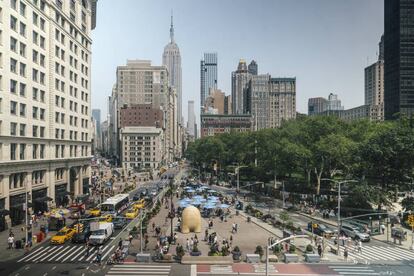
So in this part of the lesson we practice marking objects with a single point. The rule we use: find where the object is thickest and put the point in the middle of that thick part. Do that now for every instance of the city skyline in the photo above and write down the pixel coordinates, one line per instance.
(307, 44)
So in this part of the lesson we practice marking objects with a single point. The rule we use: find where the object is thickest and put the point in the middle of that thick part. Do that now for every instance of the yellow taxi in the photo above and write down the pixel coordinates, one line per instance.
(131, 213)
(63, 235)
(139, 204)
(96, 212)
(106, 218)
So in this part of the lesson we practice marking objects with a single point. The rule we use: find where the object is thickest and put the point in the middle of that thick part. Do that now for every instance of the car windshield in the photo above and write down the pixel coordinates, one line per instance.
(99, 232)
(60, 233)
(131, 211)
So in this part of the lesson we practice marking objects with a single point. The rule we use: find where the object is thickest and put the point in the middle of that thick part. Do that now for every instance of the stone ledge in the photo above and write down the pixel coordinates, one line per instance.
(207, 259)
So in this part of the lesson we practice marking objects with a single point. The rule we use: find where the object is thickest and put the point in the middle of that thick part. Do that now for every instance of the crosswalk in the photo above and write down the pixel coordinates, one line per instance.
(378, 254)
(215, 269)
(139, 270)
(354, 270)
(65, 254)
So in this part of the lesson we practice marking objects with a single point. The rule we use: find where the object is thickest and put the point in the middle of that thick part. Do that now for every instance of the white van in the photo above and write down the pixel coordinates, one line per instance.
(102, 234)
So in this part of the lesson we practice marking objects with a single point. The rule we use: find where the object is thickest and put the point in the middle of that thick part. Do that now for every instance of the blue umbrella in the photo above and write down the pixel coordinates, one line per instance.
(211, 191)
(187, 199)
(190, 190)
(209, 207)
(224, 205)
(184, 204)
(198, 196)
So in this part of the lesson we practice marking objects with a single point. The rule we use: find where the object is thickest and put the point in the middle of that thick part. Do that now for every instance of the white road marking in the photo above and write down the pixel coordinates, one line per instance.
(36, 251)
(77, 249)
(66, 253)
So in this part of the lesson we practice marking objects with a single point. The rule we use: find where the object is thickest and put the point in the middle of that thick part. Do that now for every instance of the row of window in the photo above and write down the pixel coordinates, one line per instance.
(73, 151)
(17, 180)
(37, 131)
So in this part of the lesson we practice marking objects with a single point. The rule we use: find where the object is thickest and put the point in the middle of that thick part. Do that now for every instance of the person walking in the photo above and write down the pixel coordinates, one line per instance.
(120, 244)
(87, 248)
(346, 254)
(10, 241)
(130, 237)
(383, 228)
(99, 255)
(359, 246)
(320, 250)
(187, 245)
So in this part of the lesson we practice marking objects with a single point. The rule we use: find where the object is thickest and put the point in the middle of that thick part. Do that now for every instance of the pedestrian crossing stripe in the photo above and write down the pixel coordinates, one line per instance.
(378, 253)
(354, 270)
(64, 254)
(139, 269)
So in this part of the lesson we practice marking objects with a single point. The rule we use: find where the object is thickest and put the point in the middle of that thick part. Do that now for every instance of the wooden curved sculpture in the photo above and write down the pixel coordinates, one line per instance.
(191, 220)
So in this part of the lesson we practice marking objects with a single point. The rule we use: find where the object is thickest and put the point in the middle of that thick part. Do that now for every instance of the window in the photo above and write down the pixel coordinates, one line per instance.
(35, 75)
(62, 118)
(13, 44)
(13, 65)
(13, 129)
(42, 96)
(42, 132)
(35, 18)
(42, 5)
(35, 93)
(22, 29)
(22, 9)
(42, 78)
(42, 24)
(34, 151)
(22, 130)
(35, 56)
(13, 4)
(42, 60)
(13, 149)
(22, 154)
(62, 136)
(57, 151)
(22, 110)
(57, 133)
(13, 107)
(42, 114)
(13, 86)
(22, 70)
(42, 42)
(13, 23)
(35, 112)
(35, 37)
(22, 49)
(22, 89)
(42, 151)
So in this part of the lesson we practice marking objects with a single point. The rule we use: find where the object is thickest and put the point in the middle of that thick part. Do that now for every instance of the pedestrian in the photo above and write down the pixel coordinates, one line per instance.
(99, 255)
(191, 243)
(10, 241)
(237, 227)
(359, 246)
(187, 245)
(383, 228)
(120, 243)
(87, 248)
(320, 250)
(231, 240)
(346, 254)
(206, 235)
(130, 237)
(153, 226)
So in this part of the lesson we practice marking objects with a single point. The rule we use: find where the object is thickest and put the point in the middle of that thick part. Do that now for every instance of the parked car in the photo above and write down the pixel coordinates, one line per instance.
(321, 229)
(354, 232)
(81, 237)
(119, 223)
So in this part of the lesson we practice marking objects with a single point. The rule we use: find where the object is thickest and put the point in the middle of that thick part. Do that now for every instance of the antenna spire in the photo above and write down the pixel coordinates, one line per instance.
(172, 28)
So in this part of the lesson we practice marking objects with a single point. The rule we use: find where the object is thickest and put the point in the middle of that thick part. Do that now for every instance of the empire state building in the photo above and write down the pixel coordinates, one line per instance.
(171, 58)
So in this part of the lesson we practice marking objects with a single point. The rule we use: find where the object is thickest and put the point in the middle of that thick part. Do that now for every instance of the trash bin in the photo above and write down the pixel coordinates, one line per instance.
(34, 240)
(18, 244)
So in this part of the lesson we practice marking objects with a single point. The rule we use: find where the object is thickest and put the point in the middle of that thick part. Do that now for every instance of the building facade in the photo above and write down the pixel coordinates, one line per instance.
(253, 68)
(334, 103)
(213, 124)
(141, 147)
(171, 58)
(208, 76)
(227, 105)
(191, 121)
(96, 116)
(317, 105)
(140, 115)
(398, 58)
(239, 85)
(45, 116)
(214, 103)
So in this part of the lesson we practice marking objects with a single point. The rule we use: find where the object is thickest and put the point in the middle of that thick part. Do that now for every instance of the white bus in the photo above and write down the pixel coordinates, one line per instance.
(115, 205)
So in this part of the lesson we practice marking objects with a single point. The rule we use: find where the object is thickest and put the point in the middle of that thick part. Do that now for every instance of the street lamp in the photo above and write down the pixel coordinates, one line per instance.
(237, 170)
(339, 203)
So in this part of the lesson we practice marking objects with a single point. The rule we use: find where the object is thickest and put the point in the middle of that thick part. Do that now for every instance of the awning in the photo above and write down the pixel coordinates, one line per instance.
(20, 205)
(64, 193)
(4, 212)
(43, 199)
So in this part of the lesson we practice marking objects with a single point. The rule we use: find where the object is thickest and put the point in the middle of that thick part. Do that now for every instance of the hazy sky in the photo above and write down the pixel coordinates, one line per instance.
(325, 44)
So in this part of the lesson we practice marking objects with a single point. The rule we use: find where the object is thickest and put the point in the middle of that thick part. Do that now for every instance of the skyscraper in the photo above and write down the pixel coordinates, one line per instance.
(334, 103)
(191, 120)
(239, 85)
(253, 68)
(398, 57)
(317, 105)
(171, 58)
(96, 115)
(374, 80)
(208, 76)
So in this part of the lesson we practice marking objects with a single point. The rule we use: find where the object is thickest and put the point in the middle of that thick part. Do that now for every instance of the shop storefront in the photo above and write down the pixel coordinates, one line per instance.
(3, 214)
(40, 200)
(61, 195)
(17, 209)
(85, 186)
